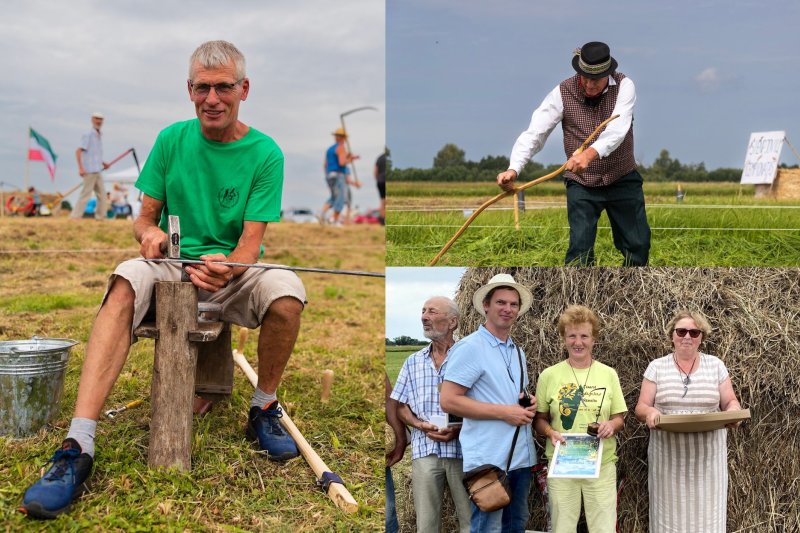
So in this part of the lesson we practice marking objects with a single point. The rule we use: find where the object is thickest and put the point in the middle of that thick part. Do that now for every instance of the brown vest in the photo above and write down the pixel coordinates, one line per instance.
(579, 122)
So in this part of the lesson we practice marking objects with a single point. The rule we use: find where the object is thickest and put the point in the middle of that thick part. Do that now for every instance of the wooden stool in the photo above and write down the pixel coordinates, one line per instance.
(190, 357)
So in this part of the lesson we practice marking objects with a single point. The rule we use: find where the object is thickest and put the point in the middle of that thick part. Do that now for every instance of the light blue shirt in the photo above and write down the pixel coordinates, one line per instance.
(92, 151)
(418, 386)
(489, 369)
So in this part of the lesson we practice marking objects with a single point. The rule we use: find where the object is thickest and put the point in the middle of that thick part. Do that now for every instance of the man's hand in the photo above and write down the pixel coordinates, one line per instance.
(444, 434)
(578, 162)
(154, 243)
(506, 179)
(394, 455)
(516, 415)
(210, 276)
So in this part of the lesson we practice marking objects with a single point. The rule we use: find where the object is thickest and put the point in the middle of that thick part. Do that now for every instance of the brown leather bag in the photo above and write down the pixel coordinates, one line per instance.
(488, 488)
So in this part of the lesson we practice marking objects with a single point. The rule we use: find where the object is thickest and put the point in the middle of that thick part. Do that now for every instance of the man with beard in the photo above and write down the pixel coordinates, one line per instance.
(482, 384)
(604, 175)
(435, 450)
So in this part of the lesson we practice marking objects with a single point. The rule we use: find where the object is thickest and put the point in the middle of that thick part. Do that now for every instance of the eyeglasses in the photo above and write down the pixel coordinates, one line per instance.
(693, 333)
(222, 89)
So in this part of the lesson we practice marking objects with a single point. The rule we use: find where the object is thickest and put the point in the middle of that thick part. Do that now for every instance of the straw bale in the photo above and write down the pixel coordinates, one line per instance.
(787, 184)
(755, 318)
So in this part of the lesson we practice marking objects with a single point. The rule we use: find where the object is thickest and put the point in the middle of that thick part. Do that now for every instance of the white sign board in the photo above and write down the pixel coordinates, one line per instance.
(763, 154)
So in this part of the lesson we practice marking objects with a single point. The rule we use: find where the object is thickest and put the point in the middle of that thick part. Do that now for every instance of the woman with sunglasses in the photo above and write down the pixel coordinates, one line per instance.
(687, 472)
(581, 395)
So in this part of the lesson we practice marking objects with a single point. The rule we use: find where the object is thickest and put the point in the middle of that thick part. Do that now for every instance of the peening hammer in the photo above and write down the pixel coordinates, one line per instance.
(173, 246)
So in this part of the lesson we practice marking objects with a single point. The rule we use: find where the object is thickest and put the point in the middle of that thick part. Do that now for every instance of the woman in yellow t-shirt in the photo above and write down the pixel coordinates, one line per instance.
(572, 395)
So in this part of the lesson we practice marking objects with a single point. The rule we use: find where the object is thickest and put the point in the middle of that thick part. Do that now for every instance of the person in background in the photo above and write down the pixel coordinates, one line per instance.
(37, 202)
(380, 179)
(90, 165)
(335, 165)
(687, 472)
(393, 456)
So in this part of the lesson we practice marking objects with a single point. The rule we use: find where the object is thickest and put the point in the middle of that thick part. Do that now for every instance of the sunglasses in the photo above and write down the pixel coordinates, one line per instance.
(693, 333)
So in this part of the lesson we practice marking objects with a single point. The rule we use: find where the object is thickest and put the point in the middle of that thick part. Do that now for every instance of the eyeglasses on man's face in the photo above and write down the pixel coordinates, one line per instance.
(693, 333)
(222, 89)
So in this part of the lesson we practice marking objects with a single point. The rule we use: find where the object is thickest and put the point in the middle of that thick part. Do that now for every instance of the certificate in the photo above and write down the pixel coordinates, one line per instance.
(579, 458)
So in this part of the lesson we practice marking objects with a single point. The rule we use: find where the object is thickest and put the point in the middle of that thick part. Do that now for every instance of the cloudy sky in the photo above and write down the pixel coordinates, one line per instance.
(308, 62)
(707, 73)
(406, 291)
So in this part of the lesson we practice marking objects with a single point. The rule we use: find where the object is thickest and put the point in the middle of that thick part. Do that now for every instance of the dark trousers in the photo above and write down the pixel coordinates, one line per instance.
(623, 201)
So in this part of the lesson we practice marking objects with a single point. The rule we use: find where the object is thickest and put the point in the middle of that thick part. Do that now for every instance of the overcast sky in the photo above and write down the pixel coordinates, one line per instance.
(308, 61)
(406, 291)
(707, 73)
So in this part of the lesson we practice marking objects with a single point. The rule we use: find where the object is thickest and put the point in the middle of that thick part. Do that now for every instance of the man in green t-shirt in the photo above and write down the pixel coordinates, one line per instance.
(224, 180)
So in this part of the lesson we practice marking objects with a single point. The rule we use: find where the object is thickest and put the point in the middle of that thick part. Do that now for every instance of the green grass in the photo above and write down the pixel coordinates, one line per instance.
(395, 357)
(231, 487)
(42, 303)
(723, 229)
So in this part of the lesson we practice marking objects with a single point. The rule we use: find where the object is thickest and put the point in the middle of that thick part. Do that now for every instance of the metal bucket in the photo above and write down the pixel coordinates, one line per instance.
(31, 383)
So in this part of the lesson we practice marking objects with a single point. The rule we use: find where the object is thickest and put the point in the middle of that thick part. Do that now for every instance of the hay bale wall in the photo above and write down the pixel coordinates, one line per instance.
(755, 316)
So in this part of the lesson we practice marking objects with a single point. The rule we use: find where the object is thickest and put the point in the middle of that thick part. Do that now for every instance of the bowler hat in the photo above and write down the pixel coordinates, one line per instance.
(593, 60)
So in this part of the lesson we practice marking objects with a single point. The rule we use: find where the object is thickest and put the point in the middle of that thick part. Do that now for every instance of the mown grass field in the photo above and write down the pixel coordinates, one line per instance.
(715, 225)
(395, 357)
(52, 274)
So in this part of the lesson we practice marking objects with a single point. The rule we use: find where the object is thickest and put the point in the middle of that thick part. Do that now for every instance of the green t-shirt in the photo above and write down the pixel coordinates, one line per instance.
(213, 186)
(556, 393)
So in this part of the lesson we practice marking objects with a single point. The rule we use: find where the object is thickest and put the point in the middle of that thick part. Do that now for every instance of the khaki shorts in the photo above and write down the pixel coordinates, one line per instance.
(244, 301)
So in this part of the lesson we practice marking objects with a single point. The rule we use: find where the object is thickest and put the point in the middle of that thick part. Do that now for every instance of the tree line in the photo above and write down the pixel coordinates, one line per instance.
(450, 164)
(404, 340)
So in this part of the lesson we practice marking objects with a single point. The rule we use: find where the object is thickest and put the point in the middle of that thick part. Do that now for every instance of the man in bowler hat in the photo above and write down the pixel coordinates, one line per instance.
(604, 175)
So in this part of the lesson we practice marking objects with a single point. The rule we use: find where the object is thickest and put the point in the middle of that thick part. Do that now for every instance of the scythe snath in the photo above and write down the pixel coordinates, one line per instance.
(516, 190)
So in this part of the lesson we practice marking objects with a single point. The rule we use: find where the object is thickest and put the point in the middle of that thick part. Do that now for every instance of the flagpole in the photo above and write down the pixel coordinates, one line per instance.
(27, 158)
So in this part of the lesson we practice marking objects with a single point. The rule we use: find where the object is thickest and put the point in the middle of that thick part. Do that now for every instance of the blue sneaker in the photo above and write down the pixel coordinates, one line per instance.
(263, 426)
(54, 492)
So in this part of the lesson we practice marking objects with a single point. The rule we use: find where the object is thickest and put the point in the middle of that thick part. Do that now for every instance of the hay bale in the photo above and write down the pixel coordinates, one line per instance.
(787, 184)
(756, 332)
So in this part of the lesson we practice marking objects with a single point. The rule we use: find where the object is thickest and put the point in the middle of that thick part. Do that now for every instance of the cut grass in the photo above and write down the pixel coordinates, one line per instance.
(726, 229)
(231, 487)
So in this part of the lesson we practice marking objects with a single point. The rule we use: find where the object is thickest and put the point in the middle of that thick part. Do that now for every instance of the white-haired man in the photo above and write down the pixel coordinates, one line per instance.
(435, 450)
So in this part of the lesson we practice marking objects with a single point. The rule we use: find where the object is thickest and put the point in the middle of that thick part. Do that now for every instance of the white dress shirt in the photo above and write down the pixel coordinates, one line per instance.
(551, 112)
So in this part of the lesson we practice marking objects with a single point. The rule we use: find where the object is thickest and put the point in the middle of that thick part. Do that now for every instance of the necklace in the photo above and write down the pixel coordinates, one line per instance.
(581, 388)
(685, 378)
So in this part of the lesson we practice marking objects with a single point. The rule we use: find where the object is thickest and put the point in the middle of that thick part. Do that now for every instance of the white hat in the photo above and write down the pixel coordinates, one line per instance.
(502, 280)
(97, 114)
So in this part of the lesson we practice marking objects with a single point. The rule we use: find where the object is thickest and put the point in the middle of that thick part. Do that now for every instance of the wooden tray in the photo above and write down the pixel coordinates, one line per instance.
(700, 422)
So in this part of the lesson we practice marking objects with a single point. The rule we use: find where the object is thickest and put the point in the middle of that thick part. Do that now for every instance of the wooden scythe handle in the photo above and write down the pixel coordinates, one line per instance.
(516, 189)
(336, 491)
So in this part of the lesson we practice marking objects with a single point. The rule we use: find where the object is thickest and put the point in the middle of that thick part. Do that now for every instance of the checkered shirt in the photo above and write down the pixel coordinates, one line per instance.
(418, 386)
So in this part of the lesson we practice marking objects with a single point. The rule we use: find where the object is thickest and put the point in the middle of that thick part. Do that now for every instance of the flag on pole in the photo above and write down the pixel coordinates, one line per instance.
(40, 150)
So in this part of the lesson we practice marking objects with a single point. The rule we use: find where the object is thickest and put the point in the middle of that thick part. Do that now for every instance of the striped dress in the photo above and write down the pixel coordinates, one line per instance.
(687, 472)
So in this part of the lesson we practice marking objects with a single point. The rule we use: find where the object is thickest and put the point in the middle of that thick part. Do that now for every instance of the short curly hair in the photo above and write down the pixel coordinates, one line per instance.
(578, 314)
